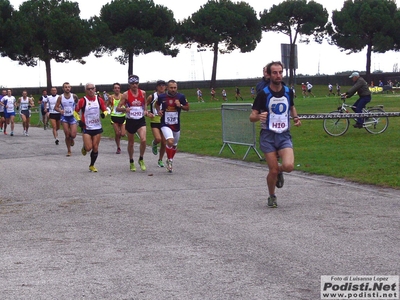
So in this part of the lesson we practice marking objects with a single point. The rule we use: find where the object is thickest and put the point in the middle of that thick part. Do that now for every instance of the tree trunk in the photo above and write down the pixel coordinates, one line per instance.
(130, 63)
(214, 67)
(291, 62)
(368, 67)
(48, 74)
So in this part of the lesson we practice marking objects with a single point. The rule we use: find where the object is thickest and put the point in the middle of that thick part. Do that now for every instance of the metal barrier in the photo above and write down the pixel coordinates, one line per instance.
(347, 115)
(236, 128)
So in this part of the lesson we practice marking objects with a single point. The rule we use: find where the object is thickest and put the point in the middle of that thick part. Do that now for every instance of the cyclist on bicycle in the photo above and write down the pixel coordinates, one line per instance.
(361, 88)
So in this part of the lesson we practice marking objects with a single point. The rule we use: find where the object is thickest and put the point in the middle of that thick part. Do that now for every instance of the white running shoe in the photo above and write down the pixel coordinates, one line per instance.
(169, 165)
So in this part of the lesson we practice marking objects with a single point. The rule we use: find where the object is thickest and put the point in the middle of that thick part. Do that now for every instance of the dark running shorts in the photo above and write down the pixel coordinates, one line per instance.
(155, 125)
(93, 132)
(26, 113)
(56, 117)
(118, 120)
(132, 125)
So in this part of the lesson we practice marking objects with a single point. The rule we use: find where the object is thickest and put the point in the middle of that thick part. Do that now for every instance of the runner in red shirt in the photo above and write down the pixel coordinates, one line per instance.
(133, 103)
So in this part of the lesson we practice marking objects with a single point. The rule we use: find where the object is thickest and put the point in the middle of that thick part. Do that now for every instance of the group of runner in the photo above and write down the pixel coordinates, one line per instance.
(128, 111)
(8, 107)
(224, 94)
(273, 107)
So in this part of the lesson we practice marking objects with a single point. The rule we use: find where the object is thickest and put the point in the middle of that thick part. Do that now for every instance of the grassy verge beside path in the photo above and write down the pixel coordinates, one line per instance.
(357, 155)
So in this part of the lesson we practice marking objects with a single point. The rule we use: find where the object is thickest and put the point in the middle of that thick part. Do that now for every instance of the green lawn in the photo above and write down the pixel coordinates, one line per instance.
(357, 155)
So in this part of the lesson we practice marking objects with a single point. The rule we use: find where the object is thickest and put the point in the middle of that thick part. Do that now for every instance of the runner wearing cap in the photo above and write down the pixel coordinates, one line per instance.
(133, 103)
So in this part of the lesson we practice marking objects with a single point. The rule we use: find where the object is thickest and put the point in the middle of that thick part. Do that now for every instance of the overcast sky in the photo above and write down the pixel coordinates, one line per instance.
(189, 64)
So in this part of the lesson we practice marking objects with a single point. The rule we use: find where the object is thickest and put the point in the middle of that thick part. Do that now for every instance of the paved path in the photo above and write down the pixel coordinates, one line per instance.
(203, 232)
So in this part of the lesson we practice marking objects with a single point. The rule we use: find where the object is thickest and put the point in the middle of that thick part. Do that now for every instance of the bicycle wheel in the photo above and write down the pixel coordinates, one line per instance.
(376, 125)
(336, 127)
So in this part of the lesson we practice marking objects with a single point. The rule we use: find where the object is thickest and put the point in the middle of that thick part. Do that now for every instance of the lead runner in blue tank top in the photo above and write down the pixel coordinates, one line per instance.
(274, 107)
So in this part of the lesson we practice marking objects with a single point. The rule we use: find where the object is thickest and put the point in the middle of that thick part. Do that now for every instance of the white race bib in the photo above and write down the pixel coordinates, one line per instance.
(171, 117)
(68, 111)
(278, 123)
(136, 112)
(92, 121)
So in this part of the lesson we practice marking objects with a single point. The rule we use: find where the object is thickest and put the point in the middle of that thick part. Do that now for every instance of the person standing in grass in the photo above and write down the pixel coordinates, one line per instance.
(330, 90)
(304, 90)
(338, 89)
(169, 106)
(213, 95)
(224, 95)
(199, 95)
(273, 107)
(237, 94)
(309, 89)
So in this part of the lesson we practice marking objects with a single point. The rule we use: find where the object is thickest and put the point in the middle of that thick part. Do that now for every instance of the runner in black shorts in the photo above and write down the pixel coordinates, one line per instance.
(25, 103)
(43, 103)
(117, 118)
(133, 103)
(155, 122)
(92, 107)
(54, 115)
(92, 133)
(132, 126)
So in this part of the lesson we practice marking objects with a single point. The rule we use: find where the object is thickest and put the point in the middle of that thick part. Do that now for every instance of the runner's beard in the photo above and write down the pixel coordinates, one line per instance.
(276, 82)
